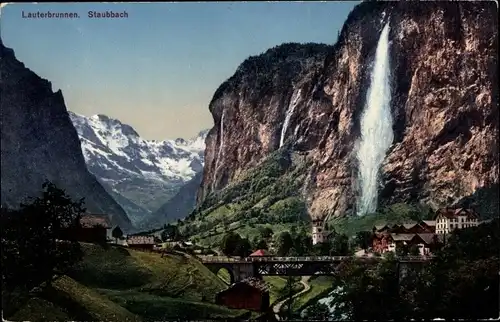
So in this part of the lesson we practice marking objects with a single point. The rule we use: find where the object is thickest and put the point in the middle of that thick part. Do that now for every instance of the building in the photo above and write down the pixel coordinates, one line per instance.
(428, 243)
(429, 224)
(412, 228)
(388, 238)
(259, 253)
(248, 294)
(382, 242)
(448, 219)
(320, 232)
(93, 228)
(141, 242)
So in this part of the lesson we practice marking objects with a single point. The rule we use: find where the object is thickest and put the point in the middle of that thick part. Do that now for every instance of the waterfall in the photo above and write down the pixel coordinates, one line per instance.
(289, 113)
(221, 145)
(376, 127)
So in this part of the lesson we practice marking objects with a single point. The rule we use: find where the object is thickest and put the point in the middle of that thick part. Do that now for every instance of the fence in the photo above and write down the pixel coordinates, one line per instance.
(228, 259)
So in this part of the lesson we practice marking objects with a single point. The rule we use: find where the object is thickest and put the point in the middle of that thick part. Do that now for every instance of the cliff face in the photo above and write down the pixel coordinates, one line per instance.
(39, 142)
(444, 106)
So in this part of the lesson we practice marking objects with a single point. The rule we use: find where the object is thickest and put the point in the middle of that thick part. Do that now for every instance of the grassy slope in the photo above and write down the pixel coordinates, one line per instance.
(278, 289)
(259, 197)
(319, 285)
(118, 284)
(268, 192)
(69, 300)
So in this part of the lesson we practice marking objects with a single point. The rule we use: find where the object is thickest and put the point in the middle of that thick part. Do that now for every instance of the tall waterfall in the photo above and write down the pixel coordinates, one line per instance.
(221, 146)
(376, 127)
(288, 115)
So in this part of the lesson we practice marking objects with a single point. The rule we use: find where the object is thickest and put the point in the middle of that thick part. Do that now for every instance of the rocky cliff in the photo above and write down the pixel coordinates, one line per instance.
(39, 142)
(444, 104)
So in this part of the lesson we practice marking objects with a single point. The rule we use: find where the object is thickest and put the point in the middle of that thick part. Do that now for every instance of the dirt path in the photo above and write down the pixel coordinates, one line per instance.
(277, 306)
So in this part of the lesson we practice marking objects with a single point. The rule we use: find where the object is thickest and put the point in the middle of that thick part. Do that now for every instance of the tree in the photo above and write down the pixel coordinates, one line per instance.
(402, 250)
(284, 243)
(117, 233)
(259, 243)
(230, 243)
(413, 250)
(340, 245)
(171, 232)
(266, 232)
(302, 243)
(37, 240)
(363, 239)
(318, 311)
(243, 248)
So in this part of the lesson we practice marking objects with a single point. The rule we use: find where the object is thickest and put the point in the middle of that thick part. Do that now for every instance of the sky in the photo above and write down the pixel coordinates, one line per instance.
(158, 69)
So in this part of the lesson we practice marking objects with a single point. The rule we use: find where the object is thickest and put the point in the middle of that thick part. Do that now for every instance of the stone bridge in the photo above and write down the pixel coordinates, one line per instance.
(240, 268)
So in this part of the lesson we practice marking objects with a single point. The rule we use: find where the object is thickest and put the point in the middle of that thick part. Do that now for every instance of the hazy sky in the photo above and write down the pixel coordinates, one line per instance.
(158, 69)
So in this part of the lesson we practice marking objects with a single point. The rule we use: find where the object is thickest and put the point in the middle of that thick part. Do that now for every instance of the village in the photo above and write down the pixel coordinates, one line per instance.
(424, 236)
(417, 239)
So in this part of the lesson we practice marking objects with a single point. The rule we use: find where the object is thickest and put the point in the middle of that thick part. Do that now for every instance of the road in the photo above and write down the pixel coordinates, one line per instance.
(277, 306)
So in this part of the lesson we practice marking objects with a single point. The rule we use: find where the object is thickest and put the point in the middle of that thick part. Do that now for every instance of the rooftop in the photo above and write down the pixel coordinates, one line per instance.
(257, 283)
(93, 220)
(427, 238)
(260, 252)
(141, 240)
(431, 223)
(402, 237)
(455, 212)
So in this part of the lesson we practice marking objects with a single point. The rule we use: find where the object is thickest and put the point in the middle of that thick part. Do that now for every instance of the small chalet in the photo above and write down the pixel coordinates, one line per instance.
(141, 242)
(259, 253)
(93, 228)
(388, 238)
(448, 219)
(382, 242)
(249, 294)
(428, 243)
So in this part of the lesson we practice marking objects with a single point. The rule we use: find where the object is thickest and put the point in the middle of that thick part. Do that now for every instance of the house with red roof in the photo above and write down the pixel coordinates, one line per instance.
(421, 234)
(260, 252)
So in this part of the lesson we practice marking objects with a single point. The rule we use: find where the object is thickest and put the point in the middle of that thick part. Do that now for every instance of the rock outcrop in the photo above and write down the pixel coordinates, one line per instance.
(444, 106)
(39, 142)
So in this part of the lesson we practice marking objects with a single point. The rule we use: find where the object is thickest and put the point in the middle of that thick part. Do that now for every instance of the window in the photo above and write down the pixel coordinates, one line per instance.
(462, 219)
(451, 226)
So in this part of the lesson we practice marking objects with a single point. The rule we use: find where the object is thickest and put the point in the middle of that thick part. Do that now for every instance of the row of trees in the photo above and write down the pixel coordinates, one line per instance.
(35, 244)
(287, 243)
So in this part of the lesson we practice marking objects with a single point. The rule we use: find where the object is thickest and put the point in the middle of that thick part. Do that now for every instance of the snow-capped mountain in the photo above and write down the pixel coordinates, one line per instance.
(140, 174)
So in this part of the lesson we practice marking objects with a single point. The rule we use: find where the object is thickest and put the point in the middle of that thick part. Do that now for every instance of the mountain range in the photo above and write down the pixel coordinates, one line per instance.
(39, 143)
(141, 175)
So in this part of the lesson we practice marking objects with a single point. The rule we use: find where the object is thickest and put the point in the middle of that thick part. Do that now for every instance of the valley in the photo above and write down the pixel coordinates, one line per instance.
(349, 180)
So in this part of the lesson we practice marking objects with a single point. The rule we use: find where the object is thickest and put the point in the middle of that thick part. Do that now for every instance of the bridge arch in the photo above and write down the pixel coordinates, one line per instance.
(224, 269)
(226, 274)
